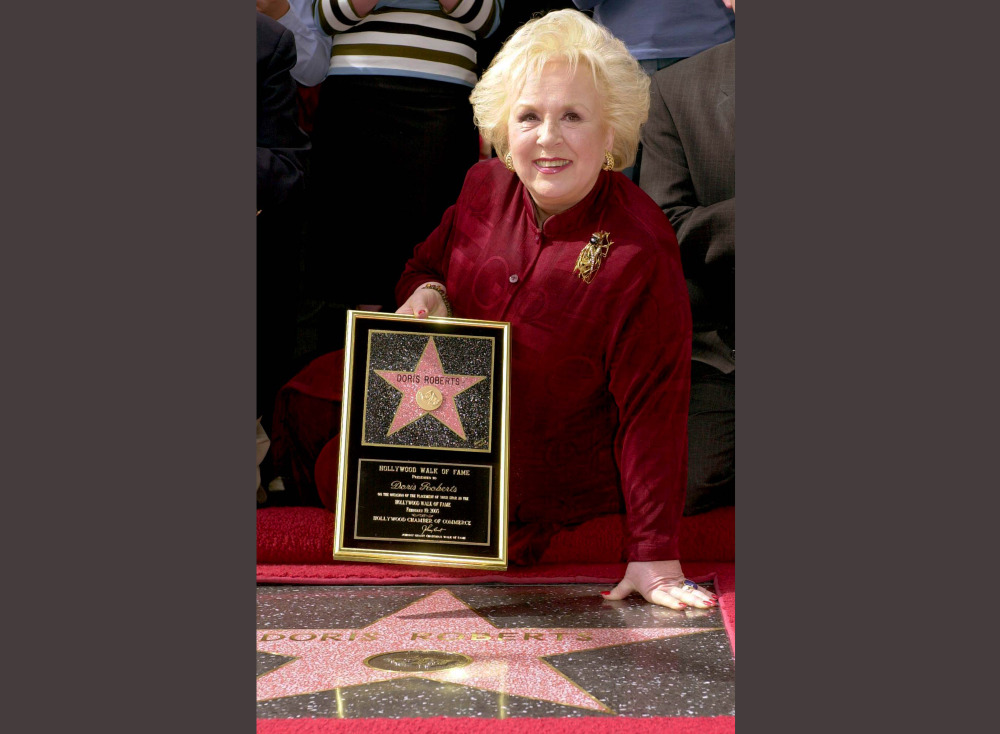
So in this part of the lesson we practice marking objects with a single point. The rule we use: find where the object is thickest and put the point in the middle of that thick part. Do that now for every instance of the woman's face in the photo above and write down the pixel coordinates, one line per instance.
(558, 136)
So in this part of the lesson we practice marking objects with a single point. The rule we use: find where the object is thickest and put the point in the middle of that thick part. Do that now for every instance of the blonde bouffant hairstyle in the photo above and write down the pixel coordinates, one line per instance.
(570, 36)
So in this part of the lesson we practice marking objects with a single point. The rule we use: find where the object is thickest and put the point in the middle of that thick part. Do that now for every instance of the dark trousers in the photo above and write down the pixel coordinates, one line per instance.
(278, 251)
(390, 155)
(711, 440)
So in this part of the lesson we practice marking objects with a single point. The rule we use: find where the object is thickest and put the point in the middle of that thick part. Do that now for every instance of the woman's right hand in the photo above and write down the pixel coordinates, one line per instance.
(423, 303)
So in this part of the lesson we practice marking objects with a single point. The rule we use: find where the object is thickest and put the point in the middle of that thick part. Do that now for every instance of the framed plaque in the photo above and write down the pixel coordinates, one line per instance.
(423, 441)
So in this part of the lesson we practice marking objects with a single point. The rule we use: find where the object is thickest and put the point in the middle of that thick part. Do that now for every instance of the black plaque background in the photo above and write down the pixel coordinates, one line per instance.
(476, 507)
(443, 456)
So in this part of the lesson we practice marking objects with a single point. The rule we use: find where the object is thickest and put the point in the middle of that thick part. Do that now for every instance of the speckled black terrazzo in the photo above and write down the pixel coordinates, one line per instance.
(688, 672)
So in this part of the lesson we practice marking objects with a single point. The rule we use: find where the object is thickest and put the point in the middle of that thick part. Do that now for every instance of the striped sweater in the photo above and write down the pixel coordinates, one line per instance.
(414, 38)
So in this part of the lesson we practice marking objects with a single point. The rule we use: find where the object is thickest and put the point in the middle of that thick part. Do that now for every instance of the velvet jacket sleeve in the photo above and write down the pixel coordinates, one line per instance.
(281, 144)
(429, 261)
(649, 367)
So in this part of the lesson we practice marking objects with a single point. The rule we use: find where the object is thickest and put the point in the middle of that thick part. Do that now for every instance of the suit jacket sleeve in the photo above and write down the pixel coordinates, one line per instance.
(281, 144)
(706, 231)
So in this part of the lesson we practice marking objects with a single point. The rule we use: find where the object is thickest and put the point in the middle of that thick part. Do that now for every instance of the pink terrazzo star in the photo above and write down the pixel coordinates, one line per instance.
(428, 373)
(502, 660)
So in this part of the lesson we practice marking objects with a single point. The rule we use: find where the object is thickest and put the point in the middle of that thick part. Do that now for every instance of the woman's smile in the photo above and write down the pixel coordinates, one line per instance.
(551, 165)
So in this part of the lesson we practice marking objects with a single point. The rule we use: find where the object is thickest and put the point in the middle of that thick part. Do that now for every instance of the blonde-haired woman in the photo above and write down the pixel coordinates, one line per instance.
(586, 268)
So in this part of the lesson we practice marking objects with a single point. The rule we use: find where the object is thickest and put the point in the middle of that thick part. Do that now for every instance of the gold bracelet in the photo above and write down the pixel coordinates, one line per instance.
(444, 296)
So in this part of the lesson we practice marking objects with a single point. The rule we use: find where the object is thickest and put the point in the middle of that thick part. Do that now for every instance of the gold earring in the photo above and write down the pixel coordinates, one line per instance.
(508, 161)
(609, 161)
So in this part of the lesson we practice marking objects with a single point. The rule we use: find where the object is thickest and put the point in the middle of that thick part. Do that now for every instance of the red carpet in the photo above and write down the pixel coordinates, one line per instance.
(304, 535)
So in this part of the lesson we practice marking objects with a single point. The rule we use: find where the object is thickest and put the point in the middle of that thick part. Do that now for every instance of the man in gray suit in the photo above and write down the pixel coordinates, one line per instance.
(689, 169)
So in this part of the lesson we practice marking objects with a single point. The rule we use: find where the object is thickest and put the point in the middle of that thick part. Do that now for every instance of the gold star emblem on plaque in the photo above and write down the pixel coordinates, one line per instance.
(429, 398)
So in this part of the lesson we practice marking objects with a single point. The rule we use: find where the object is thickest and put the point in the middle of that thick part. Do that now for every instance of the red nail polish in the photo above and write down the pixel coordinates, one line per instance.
(682, 605)
(421, 312)
(605, 593)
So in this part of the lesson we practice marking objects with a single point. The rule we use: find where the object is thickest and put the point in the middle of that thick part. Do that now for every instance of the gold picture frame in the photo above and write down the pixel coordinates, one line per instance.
(424, 441)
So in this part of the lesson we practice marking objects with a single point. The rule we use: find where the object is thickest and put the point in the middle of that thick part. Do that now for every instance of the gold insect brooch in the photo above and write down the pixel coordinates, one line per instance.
(592, 255)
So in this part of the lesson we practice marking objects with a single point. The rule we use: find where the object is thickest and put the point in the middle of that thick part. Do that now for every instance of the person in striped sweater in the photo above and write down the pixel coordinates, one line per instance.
(393, 135)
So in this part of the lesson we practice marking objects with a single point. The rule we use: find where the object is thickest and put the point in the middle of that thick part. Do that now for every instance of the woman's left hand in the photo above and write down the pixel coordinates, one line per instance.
(663, 583)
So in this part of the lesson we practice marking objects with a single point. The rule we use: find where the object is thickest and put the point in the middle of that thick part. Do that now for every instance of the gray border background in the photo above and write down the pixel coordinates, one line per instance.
(129, 248)
(864, 143)
(866, 178)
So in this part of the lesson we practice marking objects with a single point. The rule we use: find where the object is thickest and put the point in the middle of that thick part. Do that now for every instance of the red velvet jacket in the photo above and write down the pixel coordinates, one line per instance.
(600, 372)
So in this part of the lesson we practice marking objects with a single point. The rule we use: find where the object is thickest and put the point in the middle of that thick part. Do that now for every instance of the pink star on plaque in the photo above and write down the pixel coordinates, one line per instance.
(428, 390)
(440, 638)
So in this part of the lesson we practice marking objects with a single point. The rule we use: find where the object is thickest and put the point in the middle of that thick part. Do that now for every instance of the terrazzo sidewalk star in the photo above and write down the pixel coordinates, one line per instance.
(440, 631)
(427, 390)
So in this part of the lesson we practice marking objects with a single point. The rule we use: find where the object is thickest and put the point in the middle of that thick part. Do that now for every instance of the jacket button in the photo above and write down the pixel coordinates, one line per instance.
(733, 355)
(513, 278)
